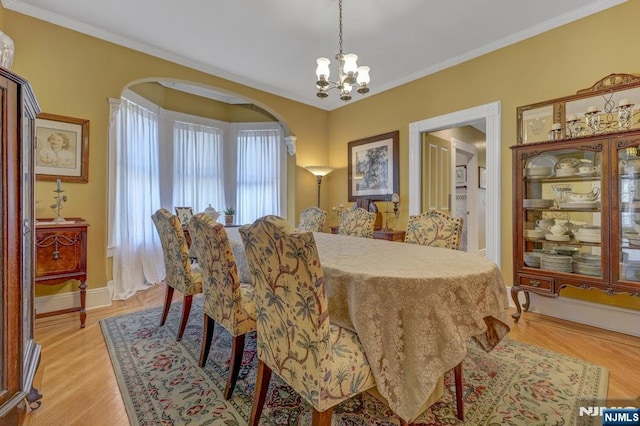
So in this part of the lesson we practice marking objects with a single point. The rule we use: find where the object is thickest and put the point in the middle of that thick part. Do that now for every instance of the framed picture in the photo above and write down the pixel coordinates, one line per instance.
(62, 148)
(461, 176)
(184, 214)
(373, 167)
(482, 177)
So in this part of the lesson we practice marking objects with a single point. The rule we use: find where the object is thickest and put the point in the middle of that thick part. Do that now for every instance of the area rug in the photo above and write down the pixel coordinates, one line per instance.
(161, 383)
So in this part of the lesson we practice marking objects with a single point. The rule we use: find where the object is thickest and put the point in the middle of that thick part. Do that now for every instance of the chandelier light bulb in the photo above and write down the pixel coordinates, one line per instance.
(322, 70)
(350, 65)
(363, 75)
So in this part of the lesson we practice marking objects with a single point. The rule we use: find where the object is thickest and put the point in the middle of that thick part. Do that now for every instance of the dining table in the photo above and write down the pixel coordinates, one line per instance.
(414, 308)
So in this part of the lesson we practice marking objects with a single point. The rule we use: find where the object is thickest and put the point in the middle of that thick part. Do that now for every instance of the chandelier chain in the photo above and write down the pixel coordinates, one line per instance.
(340, 26)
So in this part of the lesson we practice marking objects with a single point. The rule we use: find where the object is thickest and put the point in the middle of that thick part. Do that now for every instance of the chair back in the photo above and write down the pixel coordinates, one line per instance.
(435, 229)
(293, 320)
(221, 287)
(357, 222)
(177, 263)
(312, 219)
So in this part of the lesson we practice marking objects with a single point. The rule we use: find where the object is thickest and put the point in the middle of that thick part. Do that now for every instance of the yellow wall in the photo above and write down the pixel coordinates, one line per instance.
(554, 64)
(73, 74)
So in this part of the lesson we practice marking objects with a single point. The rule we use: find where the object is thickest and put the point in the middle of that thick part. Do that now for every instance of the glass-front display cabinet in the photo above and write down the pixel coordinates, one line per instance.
(20, 354)
(576, 190)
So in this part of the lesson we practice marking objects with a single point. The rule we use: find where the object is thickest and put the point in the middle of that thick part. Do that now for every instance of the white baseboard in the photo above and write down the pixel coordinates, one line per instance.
(613, 318)
(96, 298)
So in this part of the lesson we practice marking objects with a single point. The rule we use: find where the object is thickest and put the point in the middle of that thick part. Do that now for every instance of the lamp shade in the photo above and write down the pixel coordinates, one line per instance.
(395, 198)
(320, 170)
(363, 75)
(322, 69)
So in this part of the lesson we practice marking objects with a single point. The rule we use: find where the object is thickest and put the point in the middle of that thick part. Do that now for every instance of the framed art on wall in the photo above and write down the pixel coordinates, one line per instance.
(184, 214)
(62, 148)
(373, 167)
(461, 176)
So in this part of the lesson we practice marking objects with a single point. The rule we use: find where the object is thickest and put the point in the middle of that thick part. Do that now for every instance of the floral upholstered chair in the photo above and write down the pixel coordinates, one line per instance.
(435, 229)
(226, 299)
(357, 222)
(181, 274)
(324, 363)
(312, 219)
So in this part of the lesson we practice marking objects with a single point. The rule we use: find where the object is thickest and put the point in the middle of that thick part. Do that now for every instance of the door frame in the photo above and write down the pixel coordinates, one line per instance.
(489, 112)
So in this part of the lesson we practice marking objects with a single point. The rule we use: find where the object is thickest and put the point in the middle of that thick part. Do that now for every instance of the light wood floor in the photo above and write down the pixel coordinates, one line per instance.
(79, 386)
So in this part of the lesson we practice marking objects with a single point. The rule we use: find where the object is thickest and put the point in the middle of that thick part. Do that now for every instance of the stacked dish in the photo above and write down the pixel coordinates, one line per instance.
(532, 259)
(587, 264)
(551, 237)
(567, 167)
(536, 203)
(580, 205)
(541, 166)
(588, 234)
(566, 250)
(533, 234)
(632, 271)
(537, 172)
(556, 262)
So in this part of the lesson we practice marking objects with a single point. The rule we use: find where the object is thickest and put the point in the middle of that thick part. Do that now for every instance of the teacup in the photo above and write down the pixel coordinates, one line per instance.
(584, 196)
(558, 230)
(544, 224)
(587, 169)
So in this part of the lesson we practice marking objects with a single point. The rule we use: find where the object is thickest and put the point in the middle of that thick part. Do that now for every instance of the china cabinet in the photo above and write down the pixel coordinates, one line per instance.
(19, 354)
(576, 190)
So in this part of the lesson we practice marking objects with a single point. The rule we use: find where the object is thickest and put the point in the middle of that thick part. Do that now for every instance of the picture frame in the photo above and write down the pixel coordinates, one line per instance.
(461, 176)
(482, 177)
(184, 214)
(62, 148)
(373, 167)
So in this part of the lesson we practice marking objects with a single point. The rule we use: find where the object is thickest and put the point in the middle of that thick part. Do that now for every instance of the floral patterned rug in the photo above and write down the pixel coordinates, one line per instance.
(161, 383)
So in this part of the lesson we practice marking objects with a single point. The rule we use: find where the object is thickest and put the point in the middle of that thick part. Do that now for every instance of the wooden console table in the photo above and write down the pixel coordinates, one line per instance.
(380, 234)
(61, 255)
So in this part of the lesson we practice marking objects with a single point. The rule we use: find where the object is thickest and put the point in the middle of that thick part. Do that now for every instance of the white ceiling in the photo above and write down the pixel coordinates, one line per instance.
(272, 45)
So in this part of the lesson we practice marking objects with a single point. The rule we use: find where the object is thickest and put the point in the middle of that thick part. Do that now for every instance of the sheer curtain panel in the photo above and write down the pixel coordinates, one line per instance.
(137, 254)
(198, 174)
(260, 160)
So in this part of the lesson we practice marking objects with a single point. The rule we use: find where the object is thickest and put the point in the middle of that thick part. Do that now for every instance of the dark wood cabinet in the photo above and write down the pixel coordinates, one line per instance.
(576, 193)
(61, 255)
(19, 354)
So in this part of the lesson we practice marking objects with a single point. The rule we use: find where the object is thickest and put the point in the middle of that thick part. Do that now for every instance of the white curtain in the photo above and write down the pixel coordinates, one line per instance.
(259, 174)
(137, 253)
(198, 175)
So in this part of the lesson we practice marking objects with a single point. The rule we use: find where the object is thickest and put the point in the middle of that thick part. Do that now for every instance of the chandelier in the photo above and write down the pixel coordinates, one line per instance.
(350, 74)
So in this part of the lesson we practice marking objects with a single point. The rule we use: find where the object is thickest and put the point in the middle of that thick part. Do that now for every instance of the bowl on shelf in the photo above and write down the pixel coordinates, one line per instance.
(580, 197)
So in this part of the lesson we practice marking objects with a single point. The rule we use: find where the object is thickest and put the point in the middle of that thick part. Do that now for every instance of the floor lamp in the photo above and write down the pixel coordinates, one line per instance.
(319, 172)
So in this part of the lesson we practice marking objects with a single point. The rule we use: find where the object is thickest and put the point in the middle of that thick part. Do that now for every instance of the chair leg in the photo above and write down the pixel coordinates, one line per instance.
(207, 335)
(457, 371)
(263, 376)
(322, 418)
(235, 360)
(186, 309)
(167, 304)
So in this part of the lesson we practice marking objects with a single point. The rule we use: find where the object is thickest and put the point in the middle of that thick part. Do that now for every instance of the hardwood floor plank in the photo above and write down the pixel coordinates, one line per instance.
(80, 388)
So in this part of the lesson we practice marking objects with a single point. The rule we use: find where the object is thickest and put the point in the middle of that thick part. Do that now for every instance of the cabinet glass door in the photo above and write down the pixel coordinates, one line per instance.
(562, 220)
(629, 219)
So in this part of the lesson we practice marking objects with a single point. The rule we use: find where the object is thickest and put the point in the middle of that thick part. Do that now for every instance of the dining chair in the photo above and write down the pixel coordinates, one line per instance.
(312, 219)
(181, 275)
(226, 300)
(357, 222)
(325, 364)
(435, 229)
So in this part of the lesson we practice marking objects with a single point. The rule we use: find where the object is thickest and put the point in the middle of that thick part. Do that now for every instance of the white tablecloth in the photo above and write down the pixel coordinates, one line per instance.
(414, 308)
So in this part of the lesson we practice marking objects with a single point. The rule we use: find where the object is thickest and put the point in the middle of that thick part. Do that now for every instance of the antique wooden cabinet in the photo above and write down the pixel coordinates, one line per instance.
(576, 192)
(61, 255)
(19, 354)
